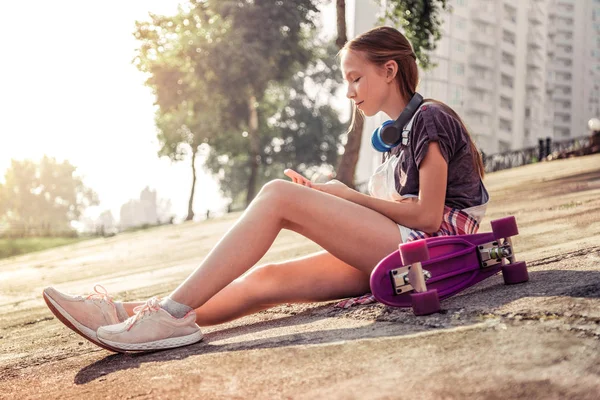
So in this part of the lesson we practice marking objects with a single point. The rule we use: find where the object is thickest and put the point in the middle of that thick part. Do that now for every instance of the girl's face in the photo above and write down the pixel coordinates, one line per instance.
(368, 85)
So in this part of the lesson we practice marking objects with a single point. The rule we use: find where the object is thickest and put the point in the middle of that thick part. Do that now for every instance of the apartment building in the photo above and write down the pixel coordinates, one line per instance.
(516, 70)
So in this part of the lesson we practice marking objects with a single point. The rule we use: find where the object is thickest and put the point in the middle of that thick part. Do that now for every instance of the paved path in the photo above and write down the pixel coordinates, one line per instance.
(538, 340)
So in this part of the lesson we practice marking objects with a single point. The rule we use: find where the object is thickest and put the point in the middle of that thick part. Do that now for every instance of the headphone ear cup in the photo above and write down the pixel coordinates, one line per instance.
(389, 135)
(376, 141)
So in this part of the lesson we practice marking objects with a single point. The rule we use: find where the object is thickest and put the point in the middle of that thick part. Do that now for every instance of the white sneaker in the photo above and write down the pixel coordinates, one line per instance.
(84, 315)
(151, 328)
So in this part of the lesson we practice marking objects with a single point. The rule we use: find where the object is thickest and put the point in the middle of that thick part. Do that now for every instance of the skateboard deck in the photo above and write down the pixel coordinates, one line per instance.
(421, 273)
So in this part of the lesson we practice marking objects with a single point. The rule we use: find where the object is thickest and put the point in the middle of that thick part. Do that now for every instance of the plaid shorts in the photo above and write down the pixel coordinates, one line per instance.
(455, 222)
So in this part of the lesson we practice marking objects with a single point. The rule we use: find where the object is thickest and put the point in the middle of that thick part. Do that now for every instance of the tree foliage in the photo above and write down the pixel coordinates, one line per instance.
(299, 130)
(420, 22)
(44, 197)
(214, 68)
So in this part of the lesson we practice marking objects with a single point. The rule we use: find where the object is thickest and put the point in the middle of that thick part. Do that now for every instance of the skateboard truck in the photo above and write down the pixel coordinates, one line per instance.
(492, 253)
(401, 280)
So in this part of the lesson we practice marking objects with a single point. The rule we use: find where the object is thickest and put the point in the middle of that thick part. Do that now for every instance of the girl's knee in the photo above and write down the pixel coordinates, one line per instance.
(263, 281)
(275, 192)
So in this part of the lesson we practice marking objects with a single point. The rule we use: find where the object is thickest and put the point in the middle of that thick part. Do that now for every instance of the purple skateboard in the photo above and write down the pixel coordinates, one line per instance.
(423, 272)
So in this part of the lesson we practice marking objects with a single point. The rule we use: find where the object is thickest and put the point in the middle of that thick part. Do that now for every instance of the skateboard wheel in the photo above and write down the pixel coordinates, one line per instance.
(413, 252)
(505, 227)
(515, 273)
(425, 303)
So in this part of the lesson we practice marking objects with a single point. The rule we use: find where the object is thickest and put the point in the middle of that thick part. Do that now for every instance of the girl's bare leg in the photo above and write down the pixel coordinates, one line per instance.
(355, 235)
(316, 277)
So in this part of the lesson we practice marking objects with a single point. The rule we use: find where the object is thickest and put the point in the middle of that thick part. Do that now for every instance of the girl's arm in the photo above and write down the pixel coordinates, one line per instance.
(426, 212)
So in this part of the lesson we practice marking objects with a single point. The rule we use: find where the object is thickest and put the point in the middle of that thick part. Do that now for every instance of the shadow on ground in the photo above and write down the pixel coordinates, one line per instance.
(485, 297)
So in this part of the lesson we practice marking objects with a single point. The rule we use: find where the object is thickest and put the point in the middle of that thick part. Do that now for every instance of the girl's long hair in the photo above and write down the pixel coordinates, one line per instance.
(382, 44)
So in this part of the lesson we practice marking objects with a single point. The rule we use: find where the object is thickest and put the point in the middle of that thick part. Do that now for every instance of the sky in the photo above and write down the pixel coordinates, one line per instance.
(69, 90)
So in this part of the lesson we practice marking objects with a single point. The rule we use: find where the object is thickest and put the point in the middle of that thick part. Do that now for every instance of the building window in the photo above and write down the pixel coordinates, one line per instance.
(479, 95)
(481, 27)
(508, 59)
(459, 69)
(508, 37)
(479, 72)
(505, 125)
(503, 146)
(506, 81)
(456, 96)
(506, 103)
(510, 13)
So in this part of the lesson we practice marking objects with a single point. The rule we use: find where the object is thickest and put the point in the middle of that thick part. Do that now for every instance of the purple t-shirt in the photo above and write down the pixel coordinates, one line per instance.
(464, 188)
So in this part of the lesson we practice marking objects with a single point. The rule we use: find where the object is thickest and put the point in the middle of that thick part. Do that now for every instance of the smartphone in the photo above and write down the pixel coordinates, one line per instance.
(296, 176)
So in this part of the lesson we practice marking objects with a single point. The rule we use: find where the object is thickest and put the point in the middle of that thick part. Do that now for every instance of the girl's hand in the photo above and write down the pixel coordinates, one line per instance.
(334, 187)
(297, 178)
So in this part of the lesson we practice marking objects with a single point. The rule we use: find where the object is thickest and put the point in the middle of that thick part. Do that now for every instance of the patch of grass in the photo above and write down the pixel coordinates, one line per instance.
(15, 247)
(569, 205)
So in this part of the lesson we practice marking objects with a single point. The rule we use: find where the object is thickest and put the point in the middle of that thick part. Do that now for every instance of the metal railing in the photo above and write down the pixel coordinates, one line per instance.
(546, 149)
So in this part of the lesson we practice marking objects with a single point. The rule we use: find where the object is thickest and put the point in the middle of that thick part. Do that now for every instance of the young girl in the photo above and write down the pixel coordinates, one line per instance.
(428, 186)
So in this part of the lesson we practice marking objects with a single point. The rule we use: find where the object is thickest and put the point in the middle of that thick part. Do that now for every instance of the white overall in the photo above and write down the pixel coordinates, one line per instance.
(382, 184)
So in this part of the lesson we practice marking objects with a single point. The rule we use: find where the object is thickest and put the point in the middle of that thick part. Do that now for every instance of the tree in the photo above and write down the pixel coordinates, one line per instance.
(210, 65)
(187, 114)
(267, 41)
(420, 23)
(299, 129)
(43, 198)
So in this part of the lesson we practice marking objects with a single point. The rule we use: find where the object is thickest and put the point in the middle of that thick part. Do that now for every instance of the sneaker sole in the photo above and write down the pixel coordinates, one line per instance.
(72, 324)
(163, 344)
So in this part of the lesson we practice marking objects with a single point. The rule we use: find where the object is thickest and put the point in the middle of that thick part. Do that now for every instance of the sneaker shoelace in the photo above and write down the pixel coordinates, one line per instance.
(100, 294)
(151, 306)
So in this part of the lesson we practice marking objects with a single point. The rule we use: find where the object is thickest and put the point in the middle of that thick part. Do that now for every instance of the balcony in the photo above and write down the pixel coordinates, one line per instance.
(562, 52)
(535, 58)
(481, 60)
(481, 37)
(560, 79)
(536, 16)
(484, 16)
(508, 47)
(564, 24)
(559, 94)
(561, 67)
(560, 39)
(535, 40)
(480, 83)
(506, 91)
(560, 123)
(482, 107)
(478, 128)
(507, 69)
(505, 113)
(534, 96)
(534, 80)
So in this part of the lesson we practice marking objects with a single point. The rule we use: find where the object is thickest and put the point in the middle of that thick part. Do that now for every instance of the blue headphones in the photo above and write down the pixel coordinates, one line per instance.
(389, 134)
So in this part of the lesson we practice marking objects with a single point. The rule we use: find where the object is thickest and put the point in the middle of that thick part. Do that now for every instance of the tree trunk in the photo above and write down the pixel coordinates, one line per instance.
(342, 38)
(190, 215)
(254, 150)
(347, 166)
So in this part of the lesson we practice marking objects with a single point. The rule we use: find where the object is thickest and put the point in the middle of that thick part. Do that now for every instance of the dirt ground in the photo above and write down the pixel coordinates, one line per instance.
(538, 340)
